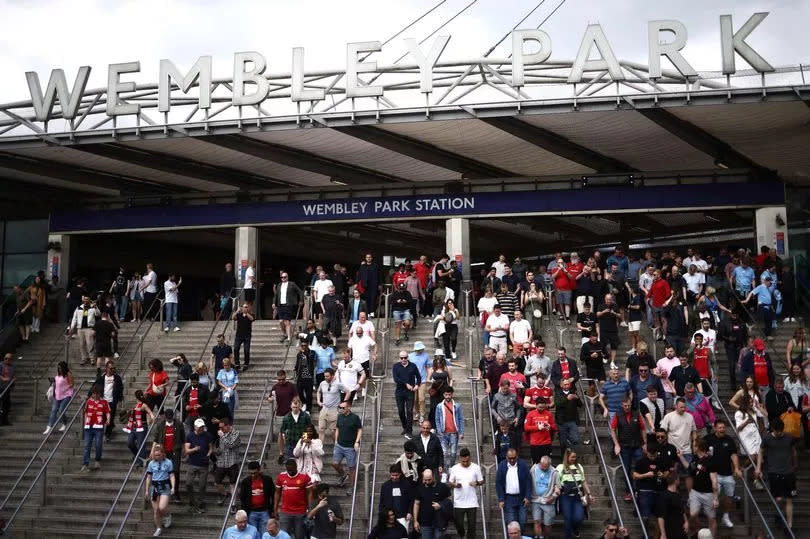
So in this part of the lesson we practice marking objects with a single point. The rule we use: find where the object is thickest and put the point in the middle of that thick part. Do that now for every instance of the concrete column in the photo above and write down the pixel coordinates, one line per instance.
(771, 228)
(59, 258)
(246, 249)
(458, 243)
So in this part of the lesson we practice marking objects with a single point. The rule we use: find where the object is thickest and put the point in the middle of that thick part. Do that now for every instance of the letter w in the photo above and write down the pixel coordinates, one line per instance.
(57, 86)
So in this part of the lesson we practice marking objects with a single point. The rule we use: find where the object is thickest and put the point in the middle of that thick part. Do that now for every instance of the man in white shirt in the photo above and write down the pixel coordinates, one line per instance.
(709, 335)
(350, 375)
(520, 331)
(694, 280)
(364, 349)
(171, 288)
(150, 289)
(499, 266)
(497, 325)
(250, 281)
(464, 479)
(319, 290)
(363, 322)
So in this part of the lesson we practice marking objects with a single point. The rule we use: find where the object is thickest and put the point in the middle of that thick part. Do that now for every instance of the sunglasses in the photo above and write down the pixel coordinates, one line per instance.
(343, 407)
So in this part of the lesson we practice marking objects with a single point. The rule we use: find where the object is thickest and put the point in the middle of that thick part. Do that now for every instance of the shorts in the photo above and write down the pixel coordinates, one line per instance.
(232, 472)
(634, 326)
(564, 297)
(595, 373)
(539, 451)
(782, 485)
(401, 316)
(610, 339)
(702, 502)
(103, 351)
(366, 367)
(726, 485)
(646, 502)
(348, 453)
(684, 472)
(284, 312)
(350, 395)
(316, 308)
(546, 511)
(161, 488)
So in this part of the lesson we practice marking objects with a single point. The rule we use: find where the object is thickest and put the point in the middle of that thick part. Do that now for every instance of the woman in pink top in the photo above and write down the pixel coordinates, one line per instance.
(62, 392)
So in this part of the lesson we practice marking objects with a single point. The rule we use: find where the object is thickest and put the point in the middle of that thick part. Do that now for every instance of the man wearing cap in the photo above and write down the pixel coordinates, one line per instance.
(198, 448)
(497, 326)
(172, 436)
(256, 493)
(420, 358)
(757, 364)
(764, 300)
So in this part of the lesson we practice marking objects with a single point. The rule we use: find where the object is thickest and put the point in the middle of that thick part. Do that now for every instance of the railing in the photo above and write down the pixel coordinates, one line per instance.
(357, 469)
(158, 301)
(378, 407)
(45, 440)
(42, 473)
(481, 492)
(53, 353)
(214, 326)
(11, 298)
(492, 433)
(135, 459)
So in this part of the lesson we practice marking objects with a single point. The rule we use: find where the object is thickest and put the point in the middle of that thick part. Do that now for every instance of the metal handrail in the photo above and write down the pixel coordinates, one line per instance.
(60, 339)
(357, 468)
(144, 316)
(268, 434)
(135, 460)
(76, 392)
(378, 411)
(493, 435)
(44, 466)
(214, 327)
(474, 397)
(6, 390)
(245, 457)
(611, 486)
(765, 488)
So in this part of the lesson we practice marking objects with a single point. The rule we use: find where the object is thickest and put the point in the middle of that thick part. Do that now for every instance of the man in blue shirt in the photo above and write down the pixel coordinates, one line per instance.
(764, 299)
(241, 529)
(743, 277)
(420, 358)
(613, 393)
(407, 380)
(618, 258)
(325, 359)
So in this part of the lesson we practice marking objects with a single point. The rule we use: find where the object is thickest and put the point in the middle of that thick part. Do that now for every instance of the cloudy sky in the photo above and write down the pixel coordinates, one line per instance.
(41, 35)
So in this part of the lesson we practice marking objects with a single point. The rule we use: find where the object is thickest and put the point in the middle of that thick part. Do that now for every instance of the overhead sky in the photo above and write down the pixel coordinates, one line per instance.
(39, 35)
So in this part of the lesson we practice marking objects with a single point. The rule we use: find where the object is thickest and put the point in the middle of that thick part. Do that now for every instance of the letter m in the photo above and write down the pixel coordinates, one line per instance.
(57, 86)
(199, 72)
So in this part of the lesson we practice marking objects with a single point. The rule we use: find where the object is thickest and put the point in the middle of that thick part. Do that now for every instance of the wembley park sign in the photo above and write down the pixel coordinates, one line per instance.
(251, 82)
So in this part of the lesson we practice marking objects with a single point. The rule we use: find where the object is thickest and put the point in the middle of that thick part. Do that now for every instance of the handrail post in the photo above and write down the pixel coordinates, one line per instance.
(160, 306)
(386, 301)
(37, 396)
(470, 348)
(67, 351)
(366, 487)
(375, 406)
(140, 351)
(489, 475)
(483, 414)
(746, 500)
(43, 486)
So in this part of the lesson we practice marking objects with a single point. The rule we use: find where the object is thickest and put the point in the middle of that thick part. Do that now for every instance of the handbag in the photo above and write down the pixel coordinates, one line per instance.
(49, 393)
(537, 313)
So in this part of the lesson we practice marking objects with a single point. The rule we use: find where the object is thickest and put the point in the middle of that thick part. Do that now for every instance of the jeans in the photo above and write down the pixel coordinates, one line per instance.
(573, 514)
(732, 353)
(56, 409)
(629, 458)
(430, 532)
(569, 436)
(450, 448)
(514, 510)
(258, 519)
(238, 341)
(123, 307)
(171, 315)
(768, 316)
(292, 524)
(134, 442)
(449, 339)
(92, 436)
(196, 480)
(149, 309)
(459, 515)
(405, 409)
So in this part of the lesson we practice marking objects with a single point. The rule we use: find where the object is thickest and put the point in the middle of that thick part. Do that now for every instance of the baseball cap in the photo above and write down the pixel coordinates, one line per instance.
(418, 345)
(759, 344)
(199, 423)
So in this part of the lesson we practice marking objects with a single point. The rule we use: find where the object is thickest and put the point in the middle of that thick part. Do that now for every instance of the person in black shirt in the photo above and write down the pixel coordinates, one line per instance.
(105, 330)
(682, 375)
(724, 451)
(703, 498)
(609, 317)
(244, 330)
(594, 356)
(426, 517)
(667, 452)
(672, 521)
(397, 494)
(304, 375)
(650, 474)
(675, 315)
(586, 322)
(639, 358)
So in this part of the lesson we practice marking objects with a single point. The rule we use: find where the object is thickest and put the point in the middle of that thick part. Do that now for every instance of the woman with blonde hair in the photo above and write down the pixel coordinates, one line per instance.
(160, 482)
(575, 493)
(37, 294)
(202, 370)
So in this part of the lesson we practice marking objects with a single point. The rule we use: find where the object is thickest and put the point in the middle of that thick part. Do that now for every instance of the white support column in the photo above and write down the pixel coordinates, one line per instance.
(457, 242)
(246, 249)
(59, 258)
(771, 228)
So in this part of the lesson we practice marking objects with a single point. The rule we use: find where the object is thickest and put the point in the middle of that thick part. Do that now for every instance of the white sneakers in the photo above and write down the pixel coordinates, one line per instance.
(176, 328)
(726, 521)
(167, 521)
(158, 531)
(62, 428)
(47, 430)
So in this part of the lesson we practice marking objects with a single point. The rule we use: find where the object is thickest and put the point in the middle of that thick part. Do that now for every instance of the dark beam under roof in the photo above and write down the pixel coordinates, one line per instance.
(12, 189)
(425, 152)
(558, 145)
(723, 153)
(291, 157)
(84, 176)
(174, 164)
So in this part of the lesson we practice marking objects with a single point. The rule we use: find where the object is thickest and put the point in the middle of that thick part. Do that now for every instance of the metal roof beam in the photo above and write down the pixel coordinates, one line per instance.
(558, 145)
(41, 194)
(425, 152)
(173, 164)
(83, 176)
(724, 154)
(291, 157)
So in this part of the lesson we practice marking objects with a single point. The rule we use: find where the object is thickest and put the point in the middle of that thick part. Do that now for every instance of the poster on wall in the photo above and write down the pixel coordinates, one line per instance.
(779, 241)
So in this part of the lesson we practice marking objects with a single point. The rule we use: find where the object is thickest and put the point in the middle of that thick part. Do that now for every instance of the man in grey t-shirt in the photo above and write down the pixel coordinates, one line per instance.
(781, 464)
(328, 398)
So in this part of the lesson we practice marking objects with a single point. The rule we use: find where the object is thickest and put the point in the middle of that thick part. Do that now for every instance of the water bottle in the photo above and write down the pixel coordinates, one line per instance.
(331, 515)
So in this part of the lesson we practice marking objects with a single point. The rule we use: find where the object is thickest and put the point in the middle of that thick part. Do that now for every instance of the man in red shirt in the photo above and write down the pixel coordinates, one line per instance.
(536, 392)
(629, 439)
(657, 296)
(575, 267)
(96, 417)
(399, 276)
(172, 436)
(293, 494)
(562, 286)
(541, 428)
(702, 358)
(516, 379)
